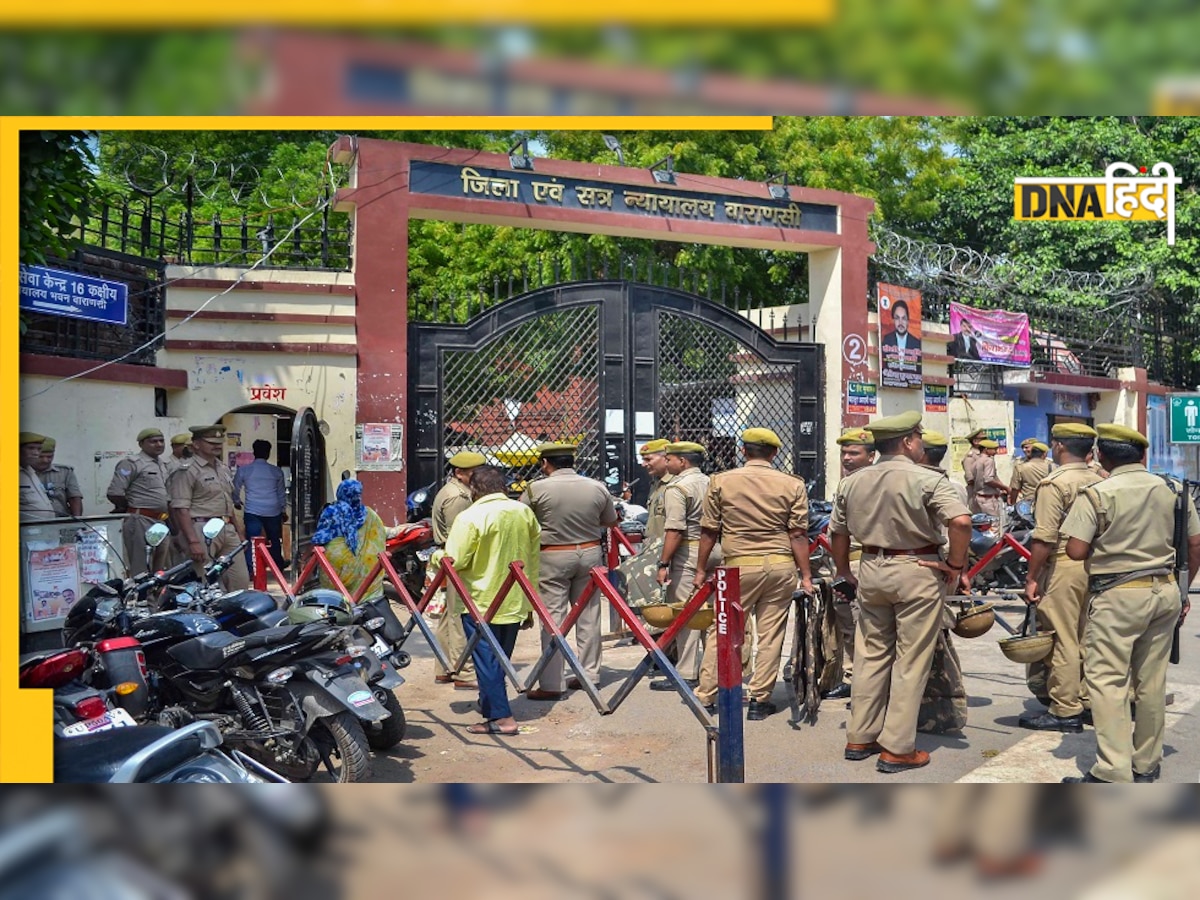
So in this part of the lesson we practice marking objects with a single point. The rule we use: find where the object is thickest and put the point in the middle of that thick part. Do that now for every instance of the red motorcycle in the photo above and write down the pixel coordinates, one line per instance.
(409, 552)
(74, 673)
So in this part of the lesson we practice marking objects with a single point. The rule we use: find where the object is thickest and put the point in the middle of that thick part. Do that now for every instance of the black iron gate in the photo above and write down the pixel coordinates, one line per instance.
(609, 365)
(309, 475)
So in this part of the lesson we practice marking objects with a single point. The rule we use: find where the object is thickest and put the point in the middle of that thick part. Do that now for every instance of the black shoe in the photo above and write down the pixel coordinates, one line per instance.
(1150, 777)
(710, 708)
(760, 709)
(661, 685)
(1086, 718)
(1089, 778)
(839, 692)
(1047, 721)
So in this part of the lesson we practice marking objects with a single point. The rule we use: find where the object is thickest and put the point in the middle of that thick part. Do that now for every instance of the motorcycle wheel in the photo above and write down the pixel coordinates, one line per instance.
(387, 734)
(342, 737)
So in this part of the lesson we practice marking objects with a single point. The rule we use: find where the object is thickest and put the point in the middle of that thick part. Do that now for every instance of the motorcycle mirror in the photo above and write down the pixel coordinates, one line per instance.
(212, 528)
(157, 533)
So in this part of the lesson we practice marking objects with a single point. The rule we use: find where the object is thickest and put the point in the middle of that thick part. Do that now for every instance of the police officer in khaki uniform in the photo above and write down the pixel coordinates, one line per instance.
(1126, 524)
(654, 461)
(857, 450)
(35, 503)
(760, 516)
(181, 449)
(896, 508)
(139, 489)
(970, 461)
(62, 487)
(990, 491)
(683, 503)
(1029, 474)
(573, 511)
(1058, 584)
(453, 498)
(202, 489)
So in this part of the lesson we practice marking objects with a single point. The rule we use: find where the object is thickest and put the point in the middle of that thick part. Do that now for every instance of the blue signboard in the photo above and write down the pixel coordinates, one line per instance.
(55, 292)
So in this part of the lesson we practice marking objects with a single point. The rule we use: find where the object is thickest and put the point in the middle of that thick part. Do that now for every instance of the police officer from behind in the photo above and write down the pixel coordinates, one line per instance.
(35, 503)
(1029, 474)
(896, 508)
(202, 489)
(453, 498)
(683, 504)
(1057, 584)
(760, 516)
(139, 489)
(857, 447)
(573, 512)
(1126, 524)
(60, 483)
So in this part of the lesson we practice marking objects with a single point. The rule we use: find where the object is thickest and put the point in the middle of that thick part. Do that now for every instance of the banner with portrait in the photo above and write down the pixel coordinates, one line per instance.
(990, 336)
(899, 337)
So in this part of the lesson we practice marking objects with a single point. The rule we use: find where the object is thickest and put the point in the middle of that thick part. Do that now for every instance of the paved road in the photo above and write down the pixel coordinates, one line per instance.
(654, 738)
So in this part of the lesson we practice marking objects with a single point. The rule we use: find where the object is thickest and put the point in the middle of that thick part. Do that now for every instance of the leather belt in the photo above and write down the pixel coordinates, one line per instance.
(982, 494)
(927, 550)
(160, 515)
(1144, 582)
(759, 559)
(584, 546)
(855, 555)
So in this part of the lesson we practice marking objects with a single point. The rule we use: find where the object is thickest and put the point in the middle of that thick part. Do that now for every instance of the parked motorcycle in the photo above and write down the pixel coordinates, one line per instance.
(79, 707)
(1007, 569)
(409, 553)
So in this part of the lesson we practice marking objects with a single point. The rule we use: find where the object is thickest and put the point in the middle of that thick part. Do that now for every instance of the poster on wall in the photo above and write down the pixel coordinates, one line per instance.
(899, 337)
(862, 398)
(937, 398)
(92, 547)
(379, 446)
(53, 579)
(989, 336)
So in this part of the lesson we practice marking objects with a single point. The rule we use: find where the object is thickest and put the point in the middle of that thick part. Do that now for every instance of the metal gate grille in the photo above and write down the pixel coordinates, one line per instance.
(537, 382)
(712, 387)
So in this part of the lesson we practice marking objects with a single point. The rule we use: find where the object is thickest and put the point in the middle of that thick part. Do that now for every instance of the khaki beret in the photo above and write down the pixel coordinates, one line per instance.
(684, 447)
(181, 439)
(556, 448)
(978, 432)
(895, 426)
(147, 433)
(761, 436)
(467, 459)
(48, 445)
(1114, 432)
(856, 436)
(1038, 445)
(1028, 441)
(934, 439)
(30, 437)
(205, 432)
(1072, 430)
(658, 445)
(989, 445)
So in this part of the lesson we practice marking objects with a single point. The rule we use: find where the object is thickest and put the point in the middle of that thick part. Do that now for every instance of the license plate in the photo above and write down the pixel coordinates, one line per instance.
(379, 648)
(114, 718)
(423, 555)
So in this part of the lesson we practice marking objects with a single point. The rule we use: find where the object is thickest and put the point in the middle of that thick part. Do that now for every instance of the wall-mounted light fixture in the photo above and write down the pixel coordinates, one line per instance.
(778, 191)
(664, 175)
(524, 161)
(615, 146)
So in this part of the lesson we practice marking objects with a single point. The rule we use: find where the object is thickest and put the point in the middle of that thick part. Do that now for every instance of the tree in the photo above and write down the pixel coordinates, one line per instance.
(57, 174)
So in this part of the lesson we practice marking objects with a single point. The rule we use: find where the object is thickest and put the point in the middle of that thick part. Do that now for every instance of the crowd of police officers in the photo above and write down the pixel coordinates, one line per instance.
(1102, 572)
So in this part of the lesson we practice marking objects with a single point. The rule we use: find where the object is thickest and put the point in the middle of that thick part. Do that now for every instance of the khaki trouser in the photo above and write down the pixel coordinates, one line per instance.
(1128, 643)
(994, 821)
(450, 635)
(1063, 611)
(767, 589)
(562, 578)
(133, 536)
(899, 616)
(688, 641)
(847, 624)
(237, 576)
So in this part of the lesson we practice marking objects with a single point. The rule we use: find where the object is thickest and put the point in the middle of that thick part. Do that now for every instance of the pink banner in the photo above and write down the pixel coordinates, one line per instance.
(989, 336)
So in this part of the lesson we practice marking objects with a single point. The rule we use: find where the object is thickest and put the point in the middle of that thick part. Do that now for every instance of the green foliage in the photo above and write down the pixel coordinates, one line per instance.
(56, 178)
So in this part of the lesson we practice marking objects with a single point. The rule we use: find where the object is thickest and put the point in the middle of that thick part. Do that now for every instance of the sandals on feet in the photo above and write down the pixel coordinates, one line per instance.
(492, 728)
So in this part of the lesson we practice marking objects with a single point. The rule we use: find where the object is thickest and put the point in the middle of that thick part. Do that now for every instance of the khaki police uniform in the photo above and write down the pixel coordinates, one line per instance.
(452, 499)
(970, 462)
(987, 498)
(206, 491)
(142, 481)
(683, 503)
(753, 509)
(655, 512)
(573, 512)
(1027, 476)
(61, 485)
(1064, 589)
(1128, 518)
(897, 509)
(35, 503)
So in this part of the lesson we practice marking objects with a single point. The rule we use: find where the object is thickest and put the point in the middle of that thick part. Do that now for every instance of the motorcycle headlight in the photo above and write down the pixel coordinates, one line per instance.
(374, 624)
(280, 675)
(419, 497)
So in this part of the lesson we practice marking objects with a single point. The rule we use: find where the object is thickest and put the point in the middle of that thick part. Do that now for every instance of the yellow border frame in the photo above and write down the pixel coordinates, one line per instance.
(26, 737)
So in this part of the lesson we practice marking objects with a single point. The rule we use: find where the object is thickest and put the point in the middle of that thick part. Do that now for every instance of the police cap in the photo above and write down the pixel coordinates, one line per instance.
(1072, 430)
(895, 426)
(31, 437)
(556, 448)
(467, 459)
(934, 439)
(761, 436)
(989, 444)
(48, 445)
(1038, 445)
(147, 433)
(207, 432)
(684, 447)
(978, 432)
(658, 445)
(180, 439)
(859, 436)
(1114, 432)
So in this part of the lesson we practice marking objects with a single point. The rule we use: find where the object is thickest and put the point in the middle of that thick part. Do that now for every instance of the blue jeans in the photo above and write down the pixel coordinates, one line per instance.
(272, 528)
(493, 692)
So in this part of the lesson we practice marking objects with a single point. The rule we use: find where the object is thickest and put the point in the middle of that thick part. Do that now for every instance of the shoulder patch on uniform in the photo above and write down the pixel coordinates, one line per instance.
(124, 469)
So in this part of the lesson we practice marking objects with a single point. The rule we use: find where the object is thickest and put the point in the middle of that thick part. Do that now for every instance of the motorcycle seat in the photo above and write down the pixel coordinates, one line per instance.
(212, 651)
(95, 758)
